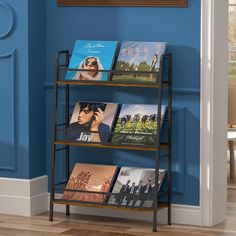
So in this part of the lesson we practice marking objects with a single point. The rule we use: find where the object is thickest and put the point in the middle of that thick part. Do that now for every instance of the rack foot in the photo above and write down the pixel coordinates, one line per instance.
(67, 210)
(154, 223)
(154, 228)
(169, 215)
(51, 213)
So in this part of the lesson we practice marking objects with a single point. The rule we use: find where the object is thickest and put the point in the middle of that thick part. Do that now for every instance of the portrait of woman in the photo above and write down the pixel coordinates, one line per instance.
(90, 58)
(93, 65)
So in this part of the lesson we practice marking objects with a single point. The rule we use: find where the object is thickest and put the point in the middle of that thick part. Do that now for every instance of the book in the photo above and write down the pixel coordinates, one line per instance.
(137, 124)
(90, 177)
(93, 56)
(91, 122)
(139, 56)
(135, 187)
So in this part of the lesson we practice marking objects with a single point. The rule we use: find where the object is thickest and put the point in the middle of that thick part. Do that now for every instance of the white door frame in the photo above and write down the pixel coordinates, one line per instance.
(214, 101)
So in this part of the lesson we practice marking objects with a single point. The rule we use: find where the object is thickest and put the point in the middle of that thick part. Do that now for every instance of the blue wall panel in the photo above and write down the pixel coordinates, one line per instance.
(14, 150)
(8, 118)
(22, 75)
(180, 28)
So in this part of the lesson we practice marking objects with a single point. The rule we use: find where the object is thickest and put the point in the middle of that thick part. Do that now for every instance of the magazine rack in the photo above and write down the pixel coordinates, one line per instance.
(60, 143)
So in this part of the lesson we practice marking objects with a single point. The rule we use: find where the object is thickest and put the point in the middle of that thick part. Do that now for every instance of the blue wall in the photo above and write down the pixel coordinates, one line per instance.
(14, 119)
(180, 27)
(27, 57)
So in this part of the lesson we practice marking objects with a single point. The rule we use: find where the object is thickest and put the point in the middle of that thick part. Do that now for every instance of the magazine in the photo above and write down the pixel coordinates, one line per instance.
(135, 187)
(89, 177)
(139, 56)
(137, 124)
(91, 122)
(93, 56)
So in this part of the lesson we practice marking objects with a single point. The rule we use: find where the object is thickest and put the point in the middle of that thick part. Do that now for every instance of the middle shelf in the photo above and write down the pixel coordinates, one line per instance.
(112, 146)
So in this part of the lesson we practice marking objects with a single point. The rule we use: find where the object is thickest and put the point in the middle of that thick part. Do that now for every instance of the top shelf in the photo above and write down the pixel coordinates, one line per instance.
(123, 78)
(112, 84)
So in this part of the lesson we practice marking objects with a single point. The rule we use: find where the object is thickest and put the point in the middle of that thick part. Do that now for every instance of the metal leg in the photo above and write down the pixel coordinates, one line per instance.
(169, 136)
(67, 176)
(154, 225)
(157, 159)
(51, 212)
(67, 210)
(67, 98)
(52, 194)
(169, 214)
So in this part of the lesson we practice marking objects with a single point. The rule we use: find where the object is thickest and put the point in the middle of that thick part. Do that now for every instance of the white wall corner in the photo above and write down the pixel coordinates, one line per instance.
(214, 95)
(24, 197)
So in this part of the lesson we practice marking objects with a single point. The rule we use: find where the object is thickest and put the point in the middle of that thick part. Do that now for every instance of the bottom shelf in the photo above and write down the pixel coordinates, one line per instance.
(109, 206)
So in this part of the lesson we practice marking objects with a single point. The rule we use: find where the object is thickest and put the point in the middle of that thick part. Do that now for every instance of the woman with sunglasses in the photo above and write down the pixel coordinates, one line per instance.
(90, 63)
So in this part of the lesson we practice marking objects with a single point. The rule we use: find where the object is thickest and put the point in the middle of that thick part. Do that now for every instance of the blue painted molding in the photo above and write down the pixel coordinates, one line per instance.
(14, 117)
(12, 20)
(178, 155)
(186, 91)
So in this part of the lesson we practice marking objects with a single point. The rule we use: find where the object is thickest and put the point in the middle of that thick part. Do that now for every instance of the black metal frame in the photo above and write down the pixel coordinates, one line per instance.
(160, 85)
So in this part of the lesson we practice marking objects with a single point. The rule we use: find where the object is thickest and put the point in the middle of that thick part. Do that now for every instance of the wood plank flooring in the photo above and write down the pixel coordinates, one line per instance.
(103, 226)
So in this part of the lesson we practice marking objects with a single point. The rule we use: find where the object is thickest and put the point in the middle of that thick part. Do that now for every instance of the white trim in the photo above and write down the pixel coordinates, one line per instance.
(214, 58)
(181, 214)
(23, 197)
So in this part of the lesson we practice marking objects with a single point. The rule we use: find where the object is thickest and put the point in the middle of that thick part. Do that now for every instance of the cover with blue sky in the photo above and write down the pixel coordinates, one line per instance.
(137, 124)
(91, 55)
(139, 56)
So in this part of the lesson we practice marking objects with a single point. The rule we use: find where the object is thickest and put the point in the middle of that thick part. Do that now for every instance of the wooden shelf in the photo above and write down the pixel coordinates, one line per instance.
(68, 202)
(112, 146)
(112, 84)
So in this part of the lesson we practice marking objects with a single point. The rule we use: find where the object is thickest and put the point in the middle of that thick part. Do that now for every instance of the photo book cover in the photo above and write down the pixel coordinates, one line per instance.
(137, 124)
(91, 122)
(139, 56)
(92, 56)
(135, 187)
(90, 177)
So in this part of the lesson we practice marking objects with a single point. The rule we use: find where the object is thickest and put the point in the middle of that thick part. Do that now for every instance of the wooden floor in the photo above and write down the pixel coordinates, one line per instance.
(102, 226)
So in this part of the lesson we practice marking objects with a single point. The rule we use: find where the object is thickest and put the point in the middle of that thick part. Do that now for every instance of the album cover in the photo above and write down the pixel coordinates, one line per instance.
(91, 122)
(139, 56)
(93, 56)
(137, 124)
(89, 177)
(135, 187)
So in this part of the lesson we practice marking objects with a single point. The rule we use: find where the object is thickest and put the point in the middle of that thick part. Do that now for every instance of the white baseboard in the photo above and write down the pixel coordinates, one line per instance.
(26, 197)
(181, 214)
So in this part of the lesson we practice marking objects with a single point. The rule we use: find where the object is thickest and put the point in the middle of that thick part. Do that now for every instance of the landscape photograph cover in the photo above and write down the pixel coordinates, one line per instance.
(137, 124)
(139, 56)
